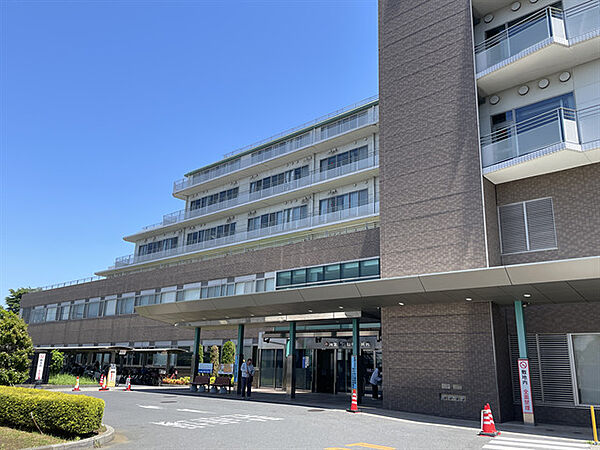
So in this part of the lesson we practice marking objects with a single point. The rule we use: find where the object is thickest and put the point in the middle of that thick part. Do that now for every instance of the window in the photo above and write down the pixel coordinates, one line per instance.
(51, 313)
(211, 233)
(332, 272)
(158, 246)
(38, 314)
(299, 276)
(369, 268)
(314, 274)
(125, 305)
(213, 199)
(191, 294)
(168, 297)
(277, 218)
(146, 299)
(342, 159)
(110, 307)
(527, 226)
(93, 309)
(280, 178)
(350, 270)
(586, 352)
(284, 278)
(65, 312)
(77, 311)
(344, 201)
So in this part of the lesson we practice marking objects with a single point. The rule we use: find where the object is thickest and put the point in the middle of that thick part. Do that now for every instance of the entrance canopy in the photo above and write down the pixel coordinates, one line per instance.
(572, 280)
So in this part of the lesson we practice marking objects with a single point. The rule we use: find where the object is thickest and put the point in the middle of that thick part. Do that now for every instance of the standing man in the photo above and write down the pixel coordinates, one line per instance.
(250, 378)
(245, 375)
(375, 380)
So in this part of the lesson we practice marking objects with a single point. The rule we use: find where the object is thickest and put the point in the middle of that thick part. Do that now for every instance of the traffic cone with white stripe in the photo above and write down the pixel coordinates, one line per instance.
(76, 388)
(128, 383)
(104, 387)
(101, 382)
(354, 405)
(488, 428)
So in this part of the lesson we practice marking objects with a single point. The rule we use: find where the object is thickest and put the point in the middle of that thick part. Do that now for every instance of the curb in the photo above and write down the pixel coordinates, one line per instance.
(92, 442)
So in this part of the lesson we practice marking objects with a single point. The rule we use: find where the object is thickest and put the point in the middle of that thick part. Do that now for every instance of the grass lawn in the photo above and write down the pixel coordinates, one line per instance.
(67, 379)
(13, 439)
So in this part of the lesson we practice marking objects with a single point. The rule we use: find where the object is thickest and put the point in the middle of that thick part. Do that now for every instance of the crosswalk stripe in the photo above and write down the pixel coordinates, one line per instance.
(516, 445)
(545, 441)
(501, 447)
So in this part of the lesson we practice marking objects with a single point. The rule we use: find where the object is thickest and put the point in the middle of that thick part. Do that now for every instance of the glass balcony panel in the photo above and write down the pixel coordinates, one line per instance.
(582, 19)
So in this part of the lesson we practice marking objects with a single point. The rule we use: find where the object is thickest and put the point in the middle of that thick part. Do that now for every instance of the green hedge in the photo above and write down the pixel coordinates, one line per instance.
(54, 412)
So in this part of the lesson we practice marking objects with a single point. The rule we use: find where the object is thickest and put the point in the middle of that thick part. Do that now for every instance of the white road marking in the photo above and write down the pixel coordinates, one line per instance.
(150, 407)
(533, 443)
(203, 422)
(193, 411)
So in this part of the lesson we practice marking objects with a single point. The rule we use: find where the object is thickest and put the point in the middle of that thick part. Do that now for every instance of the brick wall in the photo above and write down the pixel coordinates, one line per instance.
(430, 174)
(576, 204)
(427, 345)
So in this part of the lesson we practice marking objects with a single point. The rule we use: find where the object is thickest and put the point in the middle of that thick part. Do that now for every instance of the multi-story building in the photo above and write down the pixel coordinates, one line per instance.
(447, 230)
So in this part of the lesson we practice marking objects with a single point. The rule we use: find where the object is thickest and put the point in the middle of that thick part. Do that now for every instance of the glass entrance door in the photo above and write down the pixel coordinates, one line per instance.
(325, 372)
(271, 368)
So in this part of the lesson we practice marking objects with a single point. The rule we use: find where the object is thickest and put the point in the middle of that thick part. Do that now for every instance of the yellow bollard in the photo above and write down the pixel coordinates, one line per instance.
(594, 425)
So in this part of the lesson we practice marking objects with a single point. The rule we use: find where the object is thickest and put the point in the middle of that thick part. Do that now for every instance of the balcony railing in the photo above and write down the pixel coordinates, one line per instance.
(359, 119)
(314, 220)
(557, 126)
(372, 160)
(547, 23)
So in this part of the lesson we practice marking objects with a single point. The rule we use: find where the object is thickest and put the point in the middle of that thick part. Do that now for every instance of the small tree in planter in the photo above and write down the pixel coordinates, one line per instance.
(214, 359)
(228, 353)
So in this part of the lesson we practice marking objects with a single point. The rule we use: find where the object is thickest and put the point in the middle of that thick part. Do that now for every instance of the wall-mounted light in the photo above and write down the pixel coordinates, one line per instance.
(401, 304)
(565, 76)
(527, 295)
(468, 299)
(515, 6)
(543, 83)
(494, 99)
(523, 90)
(488, 18)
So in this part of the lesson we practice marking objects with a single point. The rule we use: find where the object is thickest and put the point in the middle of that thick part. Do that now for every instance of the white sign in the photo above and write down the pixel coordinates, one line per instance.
(39, 371)
(205, 367)
(525, 383)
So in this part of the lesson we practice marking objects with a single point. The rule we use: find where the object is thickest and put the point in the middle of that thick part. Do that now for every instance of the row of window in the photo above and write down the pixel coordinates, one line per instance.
(331, 273)
(342, 159)
(211, 233)
(344, 201)
(280, 178)
(93, 308)
(158, 246)
(213, 199)
(277, 218)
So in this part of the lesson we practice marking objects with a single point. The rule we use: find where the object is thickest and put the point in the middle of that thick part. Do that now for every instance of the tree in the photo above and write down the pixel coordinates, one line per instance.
(214, 359)
(13, 301)
(57, 362)
(16, 349)
(228, 353)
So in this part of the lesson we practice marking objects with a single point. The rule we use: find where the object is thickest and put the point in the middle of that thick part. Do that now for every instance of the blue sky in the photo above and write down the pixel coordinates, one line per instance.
(104, 104)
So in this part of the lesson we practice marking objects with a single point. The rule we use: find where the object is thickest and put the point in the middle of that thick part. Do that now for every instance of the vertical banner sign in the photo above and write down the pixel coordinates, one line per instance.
(236, 365)
(354, 378)
(525, 383)
(39, 371)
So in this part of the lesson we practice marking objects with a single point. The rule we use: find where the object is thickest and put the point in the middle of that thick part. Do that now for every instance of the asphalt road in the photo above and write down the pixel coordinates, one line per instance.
(145, 419)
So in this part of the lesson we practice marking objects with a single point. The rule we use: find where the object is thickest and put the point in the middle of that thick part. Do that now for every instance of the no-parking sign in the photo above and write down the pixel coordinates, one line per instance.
(525, 383)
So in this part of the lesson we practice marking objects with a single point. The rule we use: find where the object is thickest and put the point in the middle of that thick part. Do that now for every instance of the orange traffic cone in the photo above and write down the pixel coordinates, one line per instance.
(128, 384)
(354, 405)
(104, 382)
(488, 428)
(101, 382)
(76, 388)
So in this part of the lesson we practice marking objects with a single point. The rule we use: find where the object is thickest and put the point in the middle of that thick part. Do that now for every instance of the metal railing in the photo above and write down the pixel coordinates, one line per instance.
(544, 130)
(546, 23)
(311, 137)
(69, 283)
(372, 160)
(310, 221)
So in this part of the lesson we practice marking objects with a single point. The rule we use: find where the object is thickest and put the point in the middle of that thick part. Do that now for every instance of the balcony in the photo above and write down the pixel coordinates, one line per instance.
(313, 135)
(265, 197)
(312, 221)
(545, 42)
(558, 139)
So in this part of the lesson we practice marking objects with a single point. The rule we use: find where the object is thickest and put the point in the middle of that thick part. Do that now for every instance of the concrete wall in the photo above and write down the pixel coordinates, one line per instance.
(576, 205)
(430, 172)
(426, 346)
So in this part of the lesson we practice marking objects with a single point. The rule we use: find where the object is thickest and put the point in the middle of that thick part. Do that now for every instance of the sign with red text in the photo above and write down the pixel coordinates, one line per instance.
(39, 370)
(525, 383)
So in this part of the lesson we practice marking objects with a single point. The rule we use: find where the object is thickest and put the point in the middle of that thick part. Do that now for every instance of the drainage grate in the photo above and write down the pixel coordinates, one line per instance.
(315, 410)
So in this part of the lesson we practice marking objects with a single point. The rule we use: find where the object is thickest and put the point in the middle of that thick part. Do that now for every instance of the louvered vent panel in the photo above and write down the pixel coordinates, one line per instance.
(540, 224)
(555, 386)
(556, 369)
(512, 228)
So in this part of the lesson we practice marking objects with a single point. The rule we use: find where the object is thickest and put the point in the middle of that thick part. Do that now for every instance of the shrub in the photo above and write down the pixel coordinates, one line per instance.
(56, 362)
(54, 412)
(182, 380)
(228, 353)
(16, 349)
